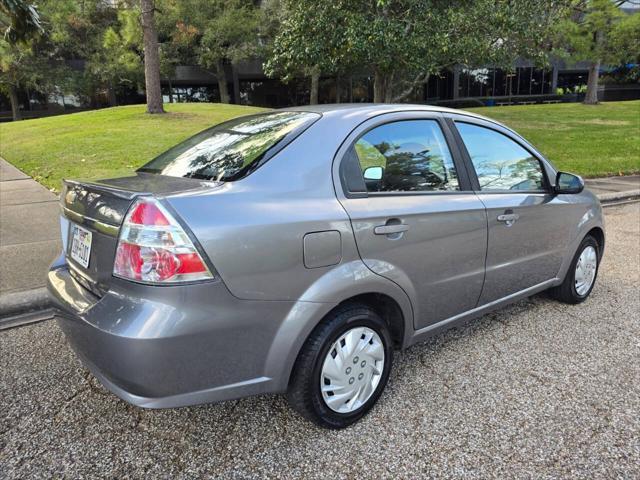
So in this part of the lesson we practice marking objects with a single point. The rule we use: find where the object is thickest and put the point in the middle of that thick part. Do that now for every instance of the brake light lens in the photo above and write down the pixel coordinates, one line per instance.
(147, 213)
(154, 248)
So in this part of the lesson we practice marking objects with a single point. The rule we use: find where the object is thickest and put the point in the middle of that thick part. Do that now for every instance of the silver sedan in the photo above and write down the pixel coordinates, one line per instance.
(293, 252)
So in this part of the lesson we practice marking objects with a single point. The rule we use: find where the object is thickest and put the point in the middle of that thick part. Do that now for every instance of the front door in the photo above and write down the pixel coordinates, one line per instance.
(415, 219)
(527, 231)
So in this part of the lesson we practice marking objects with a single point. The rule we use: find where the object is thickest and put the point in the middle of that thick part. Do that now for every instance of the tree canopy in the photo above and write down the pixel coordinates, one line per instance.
(19, 20)
(95, 50)
(404, 41)
(598, 32)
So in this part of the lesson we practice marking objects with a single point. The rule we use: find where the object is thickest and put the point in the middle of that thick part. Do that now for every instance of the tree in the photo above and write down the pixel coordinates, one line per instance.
(231, 35)
(151, 57)
(19, 20)
(595, 33)
(14, 59)
(309, 45)
(219, 33)
(20, 23)
(117, 64)
(96, 47)
(402, 42)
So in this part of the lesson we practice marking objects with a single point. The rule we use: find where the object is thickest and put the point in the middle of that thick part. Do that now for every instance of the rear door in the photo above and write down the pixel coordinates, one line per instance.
(414, 215)
(527, 231)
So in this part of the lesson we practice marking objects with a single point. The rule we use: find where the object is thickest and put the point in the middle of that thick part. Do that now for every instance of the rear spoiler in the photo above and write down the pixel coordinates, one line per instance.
(103, 188)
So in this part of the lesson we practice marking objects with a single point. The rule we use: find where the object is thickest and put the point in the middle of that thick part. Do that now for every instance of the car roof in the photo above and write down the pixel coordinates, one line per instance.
(372, 109)
(354, 113)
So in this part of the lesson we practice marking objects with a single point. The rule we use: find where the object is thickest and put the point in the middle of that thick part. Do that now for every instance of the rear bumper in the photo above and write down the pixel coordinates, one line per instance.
(160, 347)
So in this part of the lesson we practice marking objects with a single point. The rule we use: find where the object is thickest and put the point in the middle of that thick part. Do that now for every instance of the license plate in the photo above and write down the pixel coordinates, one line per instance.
(80, 245)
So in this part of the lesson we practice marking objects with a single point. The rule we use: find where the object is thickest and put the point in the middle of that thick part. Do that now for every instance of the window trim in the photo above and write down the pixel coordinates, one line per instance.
(348, 155)
(454, 119)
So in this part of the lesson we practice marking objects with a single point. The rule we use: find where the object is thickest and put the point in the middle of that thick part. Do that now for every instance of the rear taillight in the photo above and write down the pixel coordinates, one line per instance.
(154, 248)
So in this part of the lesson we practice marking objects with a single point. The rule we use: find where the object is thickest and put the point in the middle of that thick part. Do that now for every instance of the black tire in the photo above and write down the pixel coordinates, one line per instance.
(566, 291)
(304, 393)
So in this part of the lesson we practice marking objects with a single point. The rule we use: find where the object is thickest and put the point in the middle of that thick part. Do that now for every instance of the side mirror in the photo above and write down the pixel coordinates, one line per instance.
(568, 183)
(373, 173)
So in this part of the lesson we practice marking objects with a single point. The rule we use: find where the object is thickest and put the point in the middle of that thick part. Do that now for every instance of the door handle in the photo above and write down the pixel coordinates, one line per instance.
(390, 229)
(508, 218)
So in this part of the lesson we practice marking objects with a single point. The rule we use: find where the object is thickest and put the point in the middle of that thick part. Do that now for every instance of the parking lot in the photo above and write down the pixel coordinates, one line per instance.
(537, 390)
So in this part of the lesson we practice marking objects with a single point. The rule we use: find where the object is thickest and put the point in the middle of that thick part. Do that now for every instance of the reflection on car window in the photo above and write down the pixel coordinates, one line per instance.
(406, 156)
(231, 150)
(500, 163)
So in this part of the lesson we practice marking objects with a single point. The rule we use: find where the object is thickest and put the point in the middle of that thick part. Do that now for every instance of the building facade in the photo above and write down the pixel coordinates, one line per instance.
(459, 86)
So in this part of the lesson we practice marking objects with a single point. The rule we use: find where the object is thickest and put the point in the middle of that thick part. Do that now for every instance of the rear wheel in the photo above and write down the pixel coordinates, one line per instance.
(582, 273)
(343, 367)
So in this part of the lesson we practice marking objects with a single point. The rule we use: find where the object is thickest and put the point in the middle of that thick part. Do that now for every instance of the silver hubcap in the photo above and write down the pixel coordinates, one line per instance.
(352, 370)
(586, 270)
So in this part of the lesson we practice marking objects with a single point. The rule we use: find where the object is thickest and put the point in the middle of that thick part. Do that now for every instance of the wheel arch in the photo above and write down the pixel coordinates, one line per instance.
(384, 305)
(360, 285)
(388, 309)
(598, 234)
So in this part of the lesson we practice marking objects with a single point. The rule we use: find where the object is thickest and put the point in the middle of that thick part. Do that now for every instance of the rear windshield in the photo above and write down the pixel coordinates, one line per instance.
(231, 150)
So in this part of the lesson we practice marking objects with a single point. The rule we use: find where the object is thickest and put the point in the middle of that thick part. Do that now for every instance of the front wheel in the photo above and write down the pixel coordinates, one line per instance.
(582, 273)
(343, 367)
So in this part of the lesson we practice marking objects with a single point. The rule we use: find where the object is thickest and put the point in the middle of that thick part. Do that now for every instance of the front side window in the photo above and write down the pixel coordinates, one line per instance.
(406, 156)
(499, 162)
(231, 150)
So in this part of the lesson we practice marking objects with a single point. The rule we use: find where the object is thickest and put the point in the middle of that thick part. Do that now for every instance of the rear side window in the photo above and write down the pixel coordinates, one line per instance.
(499, 162)
(406, 156)
(231, 150)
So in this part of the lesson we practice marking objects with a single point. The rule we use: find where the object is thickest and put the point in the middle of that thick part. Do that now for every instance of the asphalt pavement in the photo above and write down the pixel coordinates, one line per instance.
(536, 390)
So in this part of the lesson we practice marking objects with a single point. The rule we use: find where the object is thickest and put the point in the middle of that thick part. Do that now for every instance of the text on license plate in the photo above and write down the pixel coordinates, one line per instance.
(80, 245)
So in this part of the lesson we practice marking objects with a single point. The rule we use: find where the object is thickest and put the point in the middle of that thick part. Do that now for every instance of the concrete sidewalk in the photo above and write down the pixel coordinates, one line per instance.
(29, 238)
(30, 233)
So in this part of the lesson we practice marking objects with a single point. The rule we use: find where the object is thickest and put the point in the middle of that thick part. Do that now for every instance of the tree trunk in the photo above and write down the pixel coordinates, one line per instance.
(456, 82)
(388, 92)
(315, 86)
(236, 84)
(591, 97)
(170, 91)
(112, 95)
(378, 87)
(382, 86)
(420, 80)
(15, 107)
(222, 83)
(151, 58)
(338, 89)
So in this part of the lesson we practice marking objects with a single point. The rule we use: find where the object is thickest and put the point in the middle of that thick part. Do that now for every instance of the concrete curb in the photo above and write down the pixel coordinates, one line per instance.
(26, 318)
(615, 197)
(27, 301)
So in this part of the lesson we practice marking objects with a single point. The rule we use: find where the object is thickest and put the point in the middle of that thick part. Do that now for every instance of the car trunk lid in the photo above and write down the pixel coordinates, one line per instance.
(99, 207)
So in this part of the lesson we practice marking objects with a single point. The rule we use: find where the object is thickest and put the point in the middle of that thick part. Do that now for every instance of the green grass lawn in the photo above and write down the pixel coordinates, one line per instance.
(588, 140)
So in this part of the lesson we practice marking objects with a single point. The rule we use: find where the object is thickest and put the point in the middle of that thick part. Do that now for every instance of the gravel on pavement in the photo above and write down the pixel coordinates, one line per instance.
(536, 390)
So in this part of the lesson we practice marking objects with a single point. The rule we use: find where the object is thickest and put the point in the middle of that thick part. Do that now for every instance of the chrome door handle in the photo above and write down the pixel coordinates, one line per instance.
(390, 229)
(508, 218)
